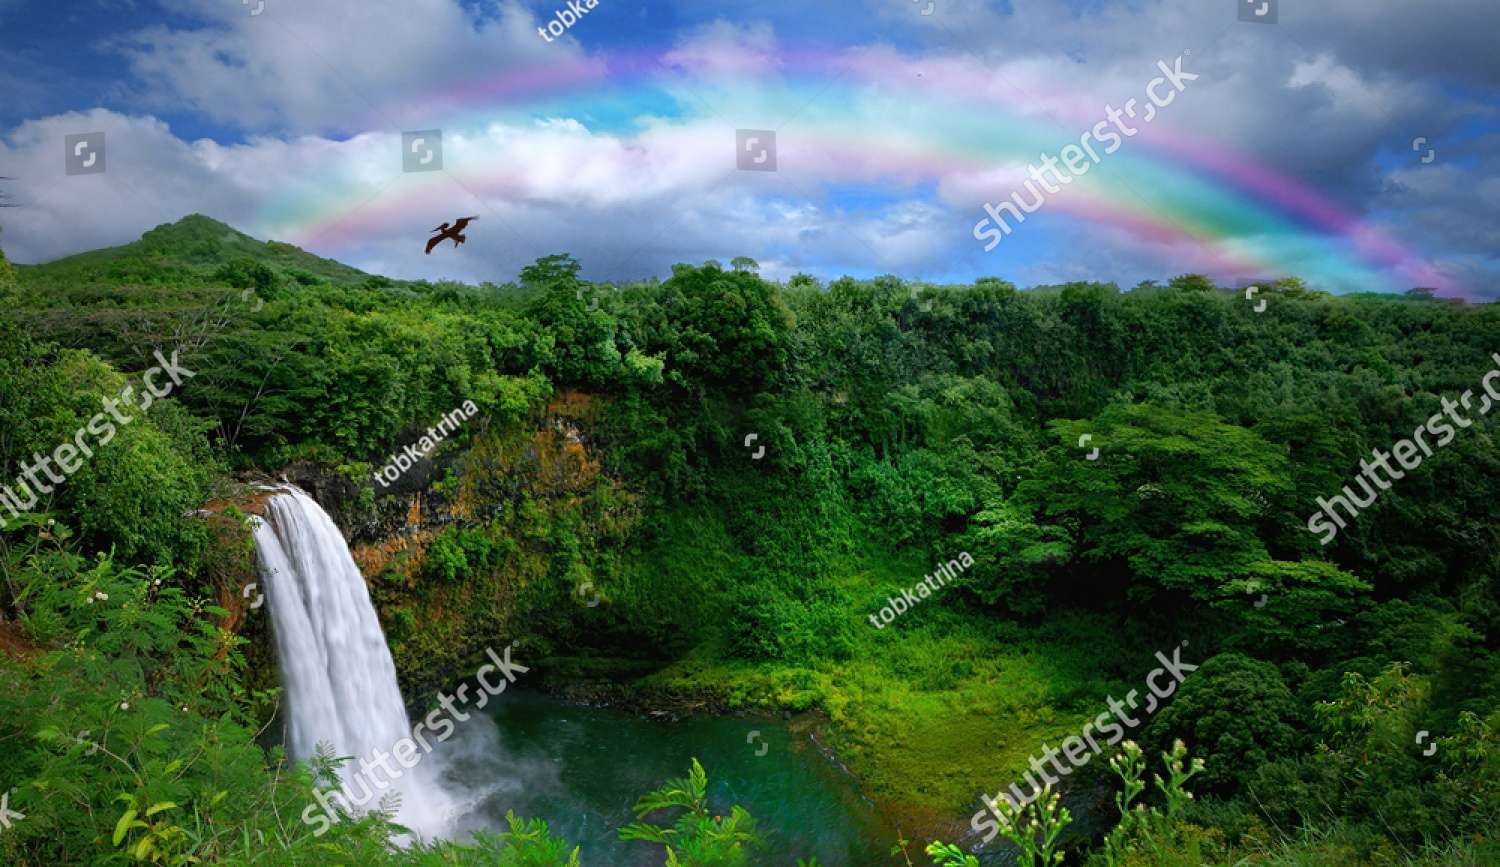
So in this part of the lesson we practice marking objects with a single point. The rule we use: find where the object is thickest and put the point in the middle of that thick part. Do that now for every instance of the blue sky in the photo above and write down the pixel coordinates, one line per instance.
(287, 124)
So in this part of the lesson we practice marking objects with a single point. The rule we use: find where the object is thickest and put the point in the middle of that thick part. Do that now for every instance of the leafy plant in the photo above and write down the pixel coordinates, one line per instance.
(1035, 827)
(1142, 828)
(695, 838)
(949, 855)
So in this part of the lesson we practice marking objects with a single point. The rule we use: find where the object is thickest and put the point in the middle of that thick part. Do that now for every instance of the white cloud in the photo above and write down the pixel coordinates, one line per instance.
(326, 65)
(323, 88)
(726, 47)
(150, 177)
(626, 207)
(1349, 93)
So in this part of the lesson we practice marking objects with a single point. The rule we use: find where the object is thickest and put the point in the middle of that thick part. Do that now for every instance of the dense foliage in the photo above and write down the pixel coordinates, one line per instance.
(744, 472)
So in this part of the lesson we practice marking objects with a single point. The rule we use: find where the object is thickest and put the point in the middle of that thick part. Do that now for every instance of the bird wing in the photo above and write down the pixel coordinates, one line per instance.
(462, 222)
(433, 242)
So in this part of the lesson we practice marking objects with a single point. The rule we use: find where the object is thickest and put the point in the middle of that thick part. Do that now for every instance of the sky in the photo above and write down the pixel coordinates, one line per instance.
(1351, 143)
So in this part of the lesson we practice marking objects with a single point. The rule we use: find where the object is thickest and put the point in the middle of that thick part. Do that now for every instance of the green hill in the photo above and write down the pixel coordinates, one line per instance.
(179, 278)
(195, 249)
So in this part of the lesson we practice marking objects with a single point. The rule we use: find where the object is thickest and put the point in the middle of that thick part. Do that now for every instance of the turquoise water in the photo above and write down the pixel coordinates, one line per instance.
(582, 769)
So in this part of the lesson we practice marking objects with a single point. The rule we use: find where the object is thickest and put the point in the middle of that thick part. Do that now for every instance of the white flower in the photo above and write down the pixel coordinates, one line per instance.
(124, 705)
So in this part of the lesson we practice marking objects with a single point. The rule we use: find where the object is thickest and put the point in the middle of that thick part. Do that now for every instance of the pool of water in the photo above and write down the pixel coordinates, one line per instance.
(583, 768)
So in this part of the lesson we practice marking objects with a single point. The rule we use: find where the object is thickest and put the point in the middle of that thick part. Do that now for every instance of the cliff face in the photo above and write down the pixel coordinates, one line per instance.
(460, 547)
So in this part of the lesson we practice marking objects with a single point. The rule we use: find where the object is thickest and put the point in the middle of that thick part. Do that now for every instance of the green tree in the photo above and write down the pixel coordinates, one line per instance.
(1173, 501)
(1191, 283)
(1237, 713)
(724, 329)
(551, 270)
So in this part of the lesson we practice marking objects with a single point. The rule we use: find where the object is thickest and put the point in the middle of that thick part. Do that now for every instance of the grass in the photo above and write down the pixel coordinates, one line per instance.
(937, 707)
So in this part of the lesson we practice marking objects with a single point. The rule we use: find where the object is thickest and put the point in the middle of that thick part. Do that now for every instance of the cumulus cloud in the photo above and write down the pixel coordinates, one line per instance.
(626, 206)
(330, 66)
(319, 91)
(151, 177)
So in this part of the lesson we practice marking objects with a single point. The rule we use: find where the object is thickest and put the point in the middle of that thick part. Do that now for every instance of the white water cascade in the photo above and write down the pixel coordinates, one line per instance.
(340, 680)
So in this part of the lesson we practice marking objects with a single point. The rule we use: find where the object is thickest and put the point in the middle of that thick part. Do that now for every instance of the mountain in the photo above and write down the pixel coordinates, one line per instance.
(121, 302)
(190, 250)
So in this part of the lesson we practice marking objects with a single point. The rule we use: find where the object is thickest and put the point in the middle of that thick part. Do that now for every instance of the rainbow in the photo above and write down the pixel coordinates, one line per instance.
(1213, 209)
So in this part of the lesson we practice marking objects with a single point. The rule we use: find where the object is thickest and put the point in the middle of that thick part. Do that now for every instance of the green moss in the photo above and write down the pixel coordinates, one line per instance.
(929, 711)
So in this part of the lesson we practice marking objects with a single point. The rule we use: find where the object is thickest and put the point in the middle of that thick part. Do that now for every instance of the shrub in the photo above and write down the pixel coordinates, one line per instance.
(767, 622)
(1236, 712)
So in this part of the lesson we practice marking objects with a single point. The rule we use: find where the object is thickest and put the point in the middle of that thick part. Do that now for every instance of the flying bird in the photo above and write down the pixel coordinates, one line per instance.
(446, 232)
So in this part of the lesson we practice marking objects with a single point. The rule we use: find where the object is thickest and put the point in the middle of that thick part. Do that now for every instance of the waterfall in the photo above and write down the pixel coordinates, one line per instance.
(340, 681)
